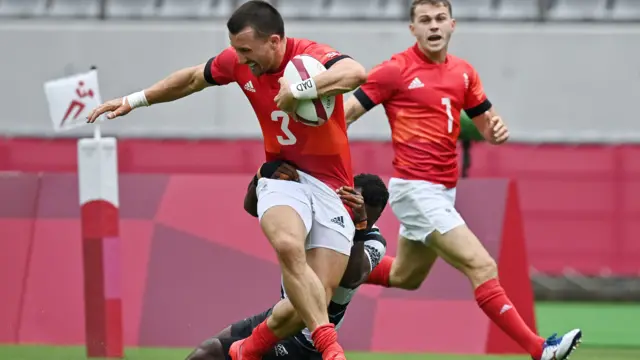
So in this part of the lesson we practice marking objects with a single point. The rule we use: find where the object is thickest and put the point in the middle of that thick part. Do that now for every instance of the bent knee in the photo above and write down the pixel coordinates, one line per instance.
(290, 251)
(481, 270)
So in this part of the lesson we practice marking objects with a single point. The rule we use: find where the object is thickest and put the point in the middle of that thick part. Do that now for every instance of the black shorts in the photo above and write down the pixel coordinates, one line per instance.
(288, 349)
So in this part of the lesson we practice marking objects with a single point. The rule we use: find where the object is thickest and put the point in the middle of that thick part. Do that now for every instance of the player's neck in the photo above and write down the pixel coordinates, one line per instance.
(436, 57)
(280, 56)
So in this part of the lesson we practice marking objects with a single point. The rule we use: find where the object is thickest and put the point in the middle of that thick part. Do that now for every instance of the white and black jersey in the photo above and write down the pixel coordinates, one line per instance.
(375, 246)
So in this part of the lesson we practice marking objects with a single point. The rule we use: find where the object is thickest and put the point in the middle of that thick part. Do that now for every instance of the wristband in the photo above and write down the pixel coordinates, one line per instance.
(361, 225)
(305, 90)
(136, 100)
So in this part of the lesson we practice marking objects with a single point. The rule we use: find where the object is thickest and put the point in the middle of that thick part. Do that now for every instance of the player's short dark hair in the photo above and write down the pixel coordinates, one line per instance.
(373, 190)
(415, 3)
(259, 15)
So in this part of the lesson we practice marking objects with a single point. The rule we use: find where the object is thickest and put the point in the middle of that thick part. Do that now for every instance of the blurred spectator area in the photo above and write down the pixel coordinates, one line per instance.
(478, 10)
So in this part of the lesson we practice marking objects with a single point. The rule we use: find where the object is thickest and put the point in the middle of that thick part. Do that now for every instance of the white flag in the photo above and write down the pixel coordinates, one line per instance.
(71, 99)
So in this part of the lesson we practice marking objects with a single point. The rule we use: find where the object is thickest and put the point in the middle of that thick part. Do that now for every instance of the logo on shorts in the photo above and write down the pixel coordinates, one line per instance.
(338, 220)
(281, 350)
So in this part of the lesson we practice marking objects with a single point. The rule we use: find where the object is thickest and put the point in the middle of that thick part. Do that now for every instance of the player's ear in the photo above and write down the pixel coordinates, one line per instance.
(274, 40)
(412, 28)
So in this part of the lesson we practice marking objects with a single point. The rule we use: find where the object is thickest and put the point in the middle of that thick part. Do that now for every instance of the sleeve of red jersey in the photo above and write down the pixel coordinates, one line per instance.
(475, 100)
(220, 69)
(325, 54)
(382, 83)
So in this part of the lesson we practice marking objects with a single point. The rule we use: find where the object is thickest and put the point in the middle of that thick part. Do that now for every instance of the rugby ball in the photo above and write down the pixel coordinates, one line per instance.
(309, 112)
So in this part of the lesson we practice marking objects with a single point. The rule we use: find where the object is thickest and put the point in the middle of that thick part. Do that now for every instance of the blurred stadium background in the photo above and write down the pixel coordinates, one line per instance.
(564, 73)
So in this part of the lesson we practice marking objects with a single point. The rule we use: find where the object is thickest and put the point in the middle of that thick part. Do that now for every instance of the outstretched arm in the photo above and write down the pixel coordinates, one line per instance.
(219, 70)
(175, 86)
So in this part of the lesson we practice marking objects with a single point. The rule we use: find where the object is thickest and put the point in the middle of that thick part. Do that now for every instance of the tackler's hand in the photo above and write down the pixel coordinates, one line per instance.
(286, 172)
(278, 169)
(355, 201)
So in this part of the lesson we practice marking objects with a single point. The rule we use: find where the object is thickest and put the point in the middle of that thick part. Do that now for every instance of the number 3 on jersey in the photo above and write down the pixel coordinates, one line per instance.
(283, 117)
(447, 104)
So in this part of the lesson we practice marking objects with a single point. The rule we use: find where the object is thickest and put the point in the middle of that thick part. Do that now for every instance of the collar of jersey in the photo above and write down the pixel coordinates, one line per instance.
(423, 57)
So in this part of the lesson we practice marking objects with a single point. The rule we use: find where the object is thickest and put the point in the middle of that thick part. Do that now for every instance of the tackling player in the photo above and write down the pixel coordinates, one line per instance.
(293, 215)
(423, 90)
(369, 247)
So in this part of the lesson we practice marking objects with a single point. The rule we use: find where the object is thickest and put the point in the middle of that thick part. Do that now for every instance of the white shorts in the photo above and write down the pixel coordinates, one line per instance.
(328, 223)
(423, 207)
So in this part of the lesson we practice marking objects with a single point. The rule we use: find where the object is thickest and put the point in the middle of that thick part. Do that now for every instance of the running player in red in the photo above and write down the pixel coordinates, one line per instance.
(423, 90)
(295, 216)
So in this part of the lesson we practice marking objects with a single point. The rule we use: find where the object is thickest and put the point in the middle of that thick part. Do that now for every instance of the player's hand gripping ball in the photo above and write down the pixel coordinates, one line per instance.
(300, 71)
(496, 132)
(285, 100)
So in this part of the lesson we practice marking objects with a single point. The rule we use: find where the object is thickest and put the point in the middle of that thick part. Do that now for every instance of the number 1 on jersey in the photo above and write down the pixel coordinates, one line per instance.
(283, 117)
(447, 104)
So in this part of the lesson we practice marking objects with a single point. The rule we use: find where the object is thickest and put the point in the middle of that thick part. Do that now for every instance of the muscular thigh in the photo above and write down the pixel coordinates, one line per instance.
(284, 205)
(413, 263)
(329, 265)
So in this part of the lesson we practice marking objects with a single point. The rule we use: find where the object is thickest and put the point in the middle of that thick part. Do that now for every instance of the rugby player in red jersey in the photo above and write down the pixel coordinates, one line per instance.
(423, 90)
(306, 215)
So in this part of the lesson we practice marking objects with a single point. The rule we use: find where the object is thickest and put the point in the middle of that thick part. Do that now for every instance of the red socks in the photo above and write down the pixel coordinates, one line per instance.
(260, 341)
(380, 274)
(324, 336)
(492, 299)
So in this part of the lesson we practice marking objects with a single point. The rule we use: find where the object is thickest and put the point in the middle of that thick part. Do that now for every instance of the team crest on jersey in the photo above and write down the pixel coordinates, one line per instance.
(466, 81)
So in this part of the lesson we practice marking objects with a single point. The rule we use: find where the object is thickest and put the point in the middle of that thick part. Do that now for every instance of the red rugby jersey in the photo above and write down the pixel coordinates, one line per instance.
(423, 101)
(323, 151)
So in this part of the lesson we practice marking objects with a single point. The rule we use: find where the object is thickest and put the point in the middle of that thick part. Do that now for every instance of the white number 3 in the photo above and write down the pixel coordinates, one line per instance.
(283, 117)
(447, 104)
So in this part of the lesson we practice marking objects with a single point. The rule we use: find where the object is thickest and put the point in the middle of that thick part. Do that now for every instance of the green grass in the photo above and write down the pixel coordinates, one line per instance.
(77, 353)
(610, 333)
(603, 324)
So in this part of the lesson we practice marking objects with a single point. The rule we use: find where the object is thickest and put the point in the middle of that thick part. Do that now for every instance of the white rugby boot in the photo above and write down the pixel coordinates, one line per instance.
(559, 348)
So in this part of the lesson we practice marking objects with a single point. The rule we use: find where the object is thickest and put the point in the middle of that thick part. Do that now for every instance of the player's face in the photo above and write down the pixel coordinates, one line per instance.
(259, 53)
(373, 212)
(432, 26)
